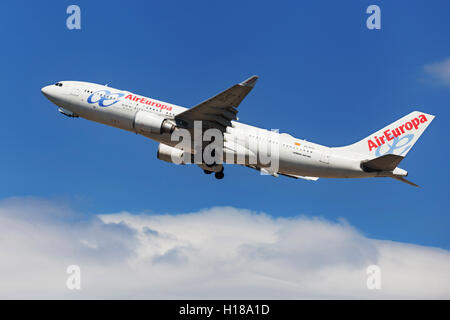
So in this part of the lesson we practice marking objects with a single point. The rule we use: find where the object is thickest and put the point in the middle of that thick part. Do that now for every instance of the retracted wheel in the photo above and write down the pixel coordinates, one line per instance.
(219, 175)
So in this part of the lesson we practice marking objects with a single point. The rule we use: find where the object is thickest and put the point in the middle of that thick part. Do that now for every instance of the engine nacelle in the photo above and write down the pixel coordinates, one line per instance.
(170, 154)
(146, 122)
(178, 156)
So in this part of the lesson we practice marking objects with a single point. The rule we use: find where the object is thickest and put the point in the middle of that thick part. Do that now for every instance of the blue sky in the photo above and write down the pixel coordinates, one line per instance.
(323, 76)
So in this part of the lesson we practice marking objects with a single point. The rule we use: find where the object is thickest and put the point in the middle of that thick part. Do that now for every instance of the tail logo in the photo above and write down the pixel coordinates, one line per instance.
(405, 145)
(394, 134)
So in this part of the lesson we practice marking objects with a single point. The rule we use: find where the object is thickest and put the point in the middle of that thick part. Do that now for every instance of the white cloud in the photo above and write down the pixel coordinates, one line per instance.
(440, 71)
(215, 253)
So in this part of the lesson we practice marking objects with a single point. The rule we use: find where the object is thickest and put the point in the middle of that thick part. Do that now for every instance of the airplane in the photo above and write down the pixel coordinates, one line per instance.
(377, 155)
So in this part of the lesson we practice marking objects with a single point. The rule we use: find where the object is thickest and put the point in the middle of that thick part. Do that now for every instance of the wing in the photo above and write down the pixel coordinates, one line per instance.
(218, 111)
(300, 177)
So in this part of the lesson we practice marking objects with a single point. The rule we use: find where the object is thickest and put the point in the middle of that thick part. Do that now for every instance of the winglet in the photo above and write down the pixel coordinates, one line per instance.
(250, 82)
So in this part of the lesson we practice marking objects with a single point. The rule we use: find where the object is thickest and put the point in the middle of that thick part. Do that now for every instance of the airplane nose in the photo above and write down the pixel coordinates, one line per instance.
(46, 91)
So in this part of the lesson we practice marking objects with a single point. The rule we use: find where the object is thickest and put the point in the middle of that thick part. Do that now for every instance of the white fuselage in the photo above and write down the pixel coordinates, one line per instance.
(118, 108)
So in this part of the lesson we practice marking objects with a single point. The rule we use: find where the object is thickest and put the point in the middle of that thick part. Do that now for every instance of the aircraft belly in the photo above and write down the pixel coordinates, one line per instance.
(314, 166)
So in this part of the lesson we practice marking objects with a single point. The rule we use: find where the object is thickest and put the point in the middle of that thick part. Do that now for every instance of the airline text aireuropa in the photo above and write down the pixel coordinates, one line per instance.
(394, 133)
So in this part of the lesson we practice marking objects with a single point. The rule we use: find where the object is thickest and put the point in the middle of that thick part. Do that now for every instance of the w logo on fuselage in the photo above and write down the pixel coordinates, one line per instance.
(104, 98)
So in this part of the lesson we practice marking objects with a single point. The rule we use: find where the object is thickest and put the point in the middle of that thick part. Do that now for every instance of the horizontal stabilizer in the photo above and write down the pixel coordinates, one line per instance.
(406, 181)
(387, 162)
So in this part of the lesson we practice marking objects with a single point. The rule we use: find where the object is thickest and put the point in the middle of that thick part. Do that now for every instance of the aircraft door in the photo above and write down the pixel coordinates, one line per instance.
(325, 157)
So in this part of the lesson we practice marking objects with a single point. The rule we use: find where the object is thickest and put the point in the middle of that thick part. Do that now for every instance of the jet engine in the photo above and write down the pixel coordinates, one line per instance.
(170, 154)
(178, 156)
(146, 122)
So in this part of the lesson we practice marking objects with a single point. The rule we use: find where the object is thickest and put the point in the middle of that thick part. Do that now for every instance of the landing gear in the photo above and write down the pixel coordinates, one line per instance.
(219, 175)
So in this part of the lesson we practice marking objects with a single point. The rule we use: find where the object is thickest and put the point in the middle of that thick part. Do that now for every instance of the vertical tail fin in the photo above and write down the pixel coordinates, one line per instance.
(396, 138)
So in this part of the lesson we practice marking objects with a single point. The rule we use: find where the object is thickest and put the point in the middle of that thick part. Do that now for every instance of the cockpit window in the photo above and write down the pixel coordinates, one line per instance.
(59, 84)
